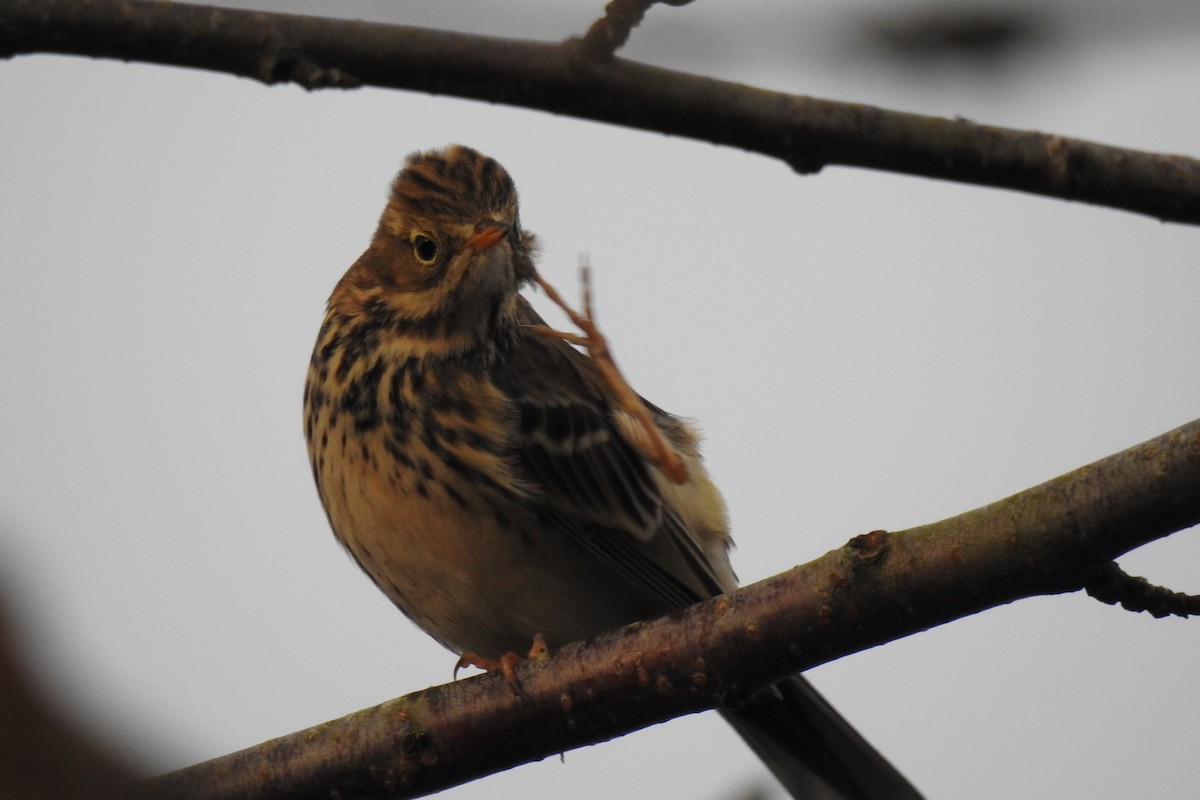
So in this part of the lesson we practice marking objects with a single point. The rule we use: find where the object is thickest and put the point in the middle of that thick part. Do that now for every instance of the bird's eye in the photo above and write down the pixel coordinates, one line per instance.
(425, 249)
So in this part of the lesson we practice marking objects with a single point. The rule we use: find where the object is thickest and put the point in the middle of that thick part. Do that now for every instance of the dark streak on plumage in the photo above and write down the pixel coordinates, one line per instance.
(430, 440)
(400, 410)
(477, 441)
(360, 399)
(424, 468)
(397, 452)
(454, 495)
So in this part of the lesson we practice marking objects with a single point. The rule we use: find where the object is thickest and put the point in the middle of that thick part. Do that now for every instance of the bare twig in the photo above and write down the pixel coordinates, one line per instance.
(609, 33)
(879, 587)
(805, 132)
(1115, 586)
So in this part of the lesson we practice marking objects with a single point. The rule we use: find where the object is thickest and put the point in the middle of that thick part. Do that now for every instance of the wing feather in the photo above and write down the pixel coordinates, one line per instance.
(595, 485)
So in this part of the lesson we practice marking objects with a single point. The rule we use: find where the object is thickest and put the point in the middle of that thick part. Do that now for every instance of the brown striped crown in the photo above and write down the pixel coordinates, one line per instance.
(457, 183)
(421, 273)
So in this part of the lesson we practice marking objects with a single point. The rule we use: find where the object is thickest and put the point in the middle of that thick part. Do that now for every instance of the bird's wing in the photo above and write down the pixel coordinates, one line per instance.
(595, 485)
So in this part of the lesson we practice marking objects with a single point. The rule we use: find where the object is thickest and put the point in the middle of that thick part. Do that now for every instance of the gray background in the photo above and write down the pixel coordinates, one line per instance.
(862, 350)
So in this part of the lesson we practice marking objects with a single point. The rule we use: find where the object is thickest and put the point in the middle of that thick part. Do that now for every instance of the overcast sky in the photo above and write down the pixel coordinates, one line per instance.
(862, 351)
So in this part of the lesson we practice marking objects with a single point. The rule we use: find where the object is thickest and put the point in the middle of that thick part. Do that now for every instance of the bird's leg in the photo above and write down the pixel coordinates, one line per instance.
(656, 449)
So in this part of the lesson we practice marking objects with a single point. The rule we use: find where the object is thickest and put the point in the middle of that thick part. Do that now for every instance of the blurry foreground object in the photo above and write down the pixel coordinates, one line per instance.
(41, 757)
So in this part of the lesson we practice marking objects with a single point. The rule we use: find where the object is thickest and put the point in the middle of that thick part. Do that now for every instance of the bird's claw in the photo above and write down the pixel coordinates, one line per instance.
(507, 663)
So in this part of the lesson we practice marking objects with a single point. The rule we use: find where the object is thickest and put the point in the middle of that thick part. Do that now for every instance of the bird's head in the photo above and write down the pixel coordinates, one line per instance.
(449, 255)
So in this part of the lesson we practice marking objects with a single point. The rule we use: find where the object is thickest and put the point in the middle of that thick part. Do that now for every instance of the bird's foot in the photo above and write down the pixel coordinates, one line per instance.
(655, 448)
(507, 663)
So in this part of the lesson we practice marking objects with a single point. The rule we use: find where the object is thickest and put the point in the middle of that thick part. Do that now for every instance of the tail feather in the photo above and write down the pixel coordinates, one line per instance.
(812, 750)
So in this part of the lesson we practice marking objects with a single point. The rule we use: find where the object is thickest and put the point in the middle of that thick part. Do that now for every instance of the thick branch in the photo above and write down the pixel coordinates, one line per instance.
(879, 587)
(805, 132)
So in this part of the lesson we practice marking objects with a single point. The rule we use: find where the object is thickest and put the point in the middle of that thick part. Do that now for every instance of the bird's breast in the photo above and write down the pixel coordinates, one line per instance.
(416, 468)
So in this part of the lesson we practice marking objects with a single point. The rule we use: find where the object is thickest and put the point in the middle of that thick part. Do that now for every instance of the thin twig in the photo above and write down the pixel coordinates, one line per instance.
(609, 33)
(1115, 586)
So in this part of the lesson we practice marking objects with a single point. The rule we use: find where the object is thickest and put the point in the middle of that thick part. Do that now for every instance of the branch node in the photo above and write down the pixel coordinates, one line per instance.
(277, 67)
(867, 548)
(314, 76)
(1115, 586)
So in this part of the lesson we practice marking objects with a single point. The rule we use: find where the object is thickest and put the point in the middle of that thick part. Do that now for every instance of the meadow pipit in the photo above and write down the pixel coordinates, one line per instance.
(488, 480)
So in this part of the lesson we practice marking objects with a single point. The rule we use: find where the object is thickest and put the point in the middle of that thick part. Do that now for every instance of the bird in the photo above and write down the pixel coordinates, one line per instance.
(488, 479)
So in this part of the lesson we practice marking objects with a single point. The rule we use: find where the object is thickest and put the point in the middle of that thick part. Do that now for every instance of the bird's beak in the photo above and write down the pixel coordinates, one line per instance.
(487, 235)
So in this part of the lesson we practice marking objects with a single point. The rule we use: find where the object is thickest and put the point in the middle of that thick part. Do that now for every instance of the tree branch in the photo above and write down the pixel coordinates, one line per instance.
(609, 33)
(1049, 539)
(1114, 586)
(805, 132)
